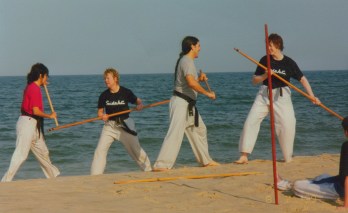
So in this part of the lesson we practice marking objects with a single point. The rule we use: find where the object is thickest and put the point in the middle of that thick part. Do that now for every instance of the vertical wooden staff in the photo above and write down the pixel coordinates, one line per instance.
(206, 82)
(50, 102)
(271, 112)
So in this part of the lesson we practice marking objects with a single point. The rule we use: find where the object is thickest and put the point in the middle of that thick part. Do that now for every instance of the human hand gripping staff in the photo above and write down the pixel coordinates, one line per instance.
(50, 103)
(203, 77)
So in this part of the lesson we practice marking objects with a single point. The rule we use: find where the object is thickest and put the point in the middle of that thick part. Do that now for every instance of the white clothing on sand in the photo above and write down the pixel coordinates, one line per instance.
(308, 189)
(28, 138)
(284, 120)
(181, 123)
(111, 132)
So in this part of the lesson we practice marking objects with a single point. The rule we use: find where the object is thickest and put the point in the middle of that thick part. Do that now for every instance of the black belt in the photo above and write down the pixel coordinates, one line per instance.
(280, 91)
(39, 121)
(119, 120)
(191, 102)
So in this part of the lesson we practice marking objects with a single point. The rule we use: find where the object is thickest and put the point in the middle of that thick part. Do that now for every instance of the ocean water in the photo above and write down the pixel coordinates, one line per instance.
(75, 99)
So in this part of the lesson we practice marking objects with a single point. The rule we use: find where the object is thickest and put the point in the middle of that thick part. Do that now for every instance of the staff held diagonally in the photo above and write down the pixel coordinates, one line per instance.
(110, 115)
(289, 84)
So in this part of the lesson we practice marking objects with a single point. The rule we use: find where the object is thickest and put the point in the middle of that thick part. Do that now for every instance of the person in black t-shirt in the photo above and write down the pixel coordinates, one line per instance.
(122, 128)
(327, 186)
(284, 115)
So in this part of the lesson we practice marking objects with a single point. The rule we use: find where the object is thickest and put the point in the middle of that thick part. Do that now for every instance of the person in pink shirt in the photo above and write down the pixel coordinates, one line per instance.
(29, 127)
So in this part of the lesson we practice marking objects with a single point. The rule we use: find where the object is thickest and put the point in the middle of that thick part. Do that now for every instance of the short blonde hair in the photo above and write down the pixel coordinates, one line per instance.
(113, 72)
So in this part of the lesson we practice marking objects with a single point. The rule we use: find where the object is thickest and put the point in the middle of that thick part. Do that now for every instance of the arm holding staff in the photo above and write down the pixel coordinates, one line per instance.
(203, 77)
(139, 104)
(50, 102)
(257, 79)
(194, 84)
(308, 88)
(38, 112)
(102, 115)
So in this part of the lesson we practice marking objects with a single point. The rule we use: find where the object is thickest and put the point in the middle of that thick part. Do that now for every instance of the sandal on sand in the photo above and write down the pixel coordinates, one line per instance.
(284, 185)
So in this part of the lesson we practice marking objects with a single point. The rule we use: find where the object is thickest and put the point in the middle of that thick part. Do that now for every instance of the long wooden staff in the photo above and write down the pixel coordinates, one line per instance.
(186, 177)
(271, 113)
(111, 115)
(289, 84)
(50, 102)
(206, 82)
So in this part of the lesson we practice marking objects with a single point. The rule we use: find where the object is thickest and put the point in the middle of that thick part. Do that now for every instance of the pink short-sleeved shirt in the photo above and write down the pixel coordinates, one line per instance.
(32, 97)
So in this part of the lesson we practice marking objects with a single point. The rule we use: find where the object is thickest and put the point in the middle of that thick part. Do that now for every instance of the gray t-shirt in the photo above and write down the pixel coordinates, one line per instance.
(186, 67)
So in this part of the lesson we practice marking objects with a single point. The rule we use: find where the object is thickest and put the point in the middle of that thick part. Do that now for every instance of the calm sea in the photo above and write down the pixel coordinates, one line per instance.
(75, 99)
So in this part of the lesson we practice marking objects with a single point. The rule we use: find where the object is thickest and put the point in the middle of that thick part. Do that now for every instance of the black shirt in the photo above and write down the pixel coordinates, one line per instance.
(285, 68)
(116, 102)
(343, 169)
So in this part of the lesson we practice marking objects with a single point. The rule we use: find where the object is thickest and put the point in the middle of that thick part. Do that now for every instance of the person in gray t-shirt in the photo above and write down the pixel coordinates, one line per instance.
(184, 117)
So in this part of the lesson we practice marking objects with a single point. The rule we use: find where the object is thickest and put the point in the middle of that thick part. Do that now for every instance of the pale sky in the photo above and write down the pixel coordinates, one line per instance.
(144, 36)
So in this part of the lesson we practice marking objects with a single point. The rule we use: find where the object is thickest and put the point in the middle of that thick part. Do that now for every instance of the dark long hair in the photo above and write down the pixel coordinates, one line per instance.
(186, 44)
(35, 72)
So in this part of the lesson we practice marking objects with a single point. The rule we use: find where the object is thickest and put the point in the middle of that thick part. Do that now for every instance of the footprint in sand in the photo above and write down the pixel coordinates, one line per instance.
(210, 195)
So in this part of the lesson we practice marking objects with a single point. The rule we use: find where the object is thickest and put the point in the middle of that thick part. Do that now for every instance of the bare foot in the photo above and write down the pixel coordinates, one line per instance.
(160, 169)
(213, 163)
(242, 160)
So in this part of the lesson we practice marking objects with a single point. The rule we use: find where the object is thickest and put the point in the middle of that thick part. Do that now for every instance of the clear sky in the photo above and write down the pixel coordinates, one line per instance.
(144, 36)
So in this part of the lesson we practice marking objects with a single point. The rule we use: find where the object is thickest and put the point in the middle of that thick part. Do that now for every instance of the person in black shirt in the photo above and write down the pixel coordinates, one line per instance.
(122, 128)
(326, 186)
(284, 116)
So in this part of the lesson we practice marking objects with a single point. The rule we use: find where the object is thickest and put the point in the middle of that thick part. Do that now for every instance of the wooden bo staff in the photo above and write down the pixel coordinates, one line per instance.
(206, 82)
(289, 84)
(186, 177)
(111, 115)
(50, 102)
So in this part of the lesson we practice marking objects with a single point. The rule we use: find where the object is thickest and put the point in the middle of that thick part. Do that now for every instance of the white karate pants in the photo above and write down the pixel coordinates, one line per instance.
(284, 121)
(181, 123)
(28, 139)
(111, 132)
(308, 189)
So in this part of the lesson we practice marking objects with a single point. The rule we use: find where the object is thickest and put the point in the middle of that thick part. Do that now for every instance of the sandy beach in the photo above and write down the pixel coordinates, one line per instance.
(250, 193)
